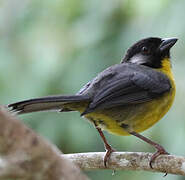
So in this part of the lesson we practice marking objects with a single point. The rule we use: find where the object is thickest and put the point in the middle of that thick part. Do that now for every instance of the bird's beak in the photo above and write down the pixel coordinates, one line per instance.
(167, 43)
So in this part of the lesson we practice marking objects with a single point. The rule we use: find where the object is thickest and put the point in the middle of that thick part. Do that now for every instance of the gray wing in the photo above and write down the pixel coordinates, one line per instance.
(130, 86)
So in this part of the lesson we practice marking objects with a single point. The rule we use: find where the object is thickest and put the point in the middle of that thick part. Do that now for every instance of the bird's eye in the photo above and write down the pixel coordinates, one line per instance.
(145, 50)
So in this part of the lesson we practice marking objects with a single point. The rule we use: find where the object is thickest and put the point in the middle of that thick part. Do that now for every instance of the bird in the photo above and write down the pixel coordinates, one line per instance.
(124, 99)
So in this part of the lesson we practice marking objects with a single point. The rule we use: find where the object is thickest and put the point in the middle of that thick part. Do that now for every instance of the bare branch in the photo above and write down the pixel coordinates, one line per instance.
(25, 155)
(129, 161)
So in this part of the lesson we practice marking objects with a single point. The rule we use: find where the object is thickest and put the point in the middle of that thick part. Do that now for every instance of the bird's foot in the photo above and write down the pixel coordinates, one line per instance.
(108, 153)
(160, 150)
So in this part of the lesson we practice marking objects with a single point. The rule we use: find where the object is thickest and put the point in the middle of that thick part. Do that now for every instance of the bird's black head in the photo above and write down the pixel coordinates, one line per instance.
(150, 51)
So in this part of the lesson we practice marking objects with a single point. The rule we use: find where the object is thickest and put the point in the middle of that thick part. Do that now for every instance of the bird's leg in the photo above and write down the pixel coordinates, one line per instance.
(160, 149)
(108, 147)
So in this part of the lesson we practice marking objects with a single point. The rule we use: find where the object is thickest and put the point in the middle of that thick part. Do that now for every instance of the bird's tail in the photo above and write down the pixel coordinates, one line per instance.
(56, 103)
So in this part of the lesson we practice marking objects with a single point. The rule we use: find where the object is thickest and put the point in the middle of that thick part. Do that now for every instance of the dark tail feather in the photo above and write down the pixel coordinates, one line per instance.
(45, 103)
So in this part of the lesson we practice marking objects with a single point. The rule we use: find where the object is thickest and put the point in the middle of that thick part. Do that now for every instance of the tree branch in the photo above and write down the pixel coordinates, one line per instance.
(129, 161)
(25, 155)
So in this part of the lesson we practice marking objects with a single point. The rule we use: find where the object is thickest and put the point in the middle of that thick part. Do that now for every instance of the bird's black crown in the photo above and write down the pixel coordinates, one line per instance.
(150, 51)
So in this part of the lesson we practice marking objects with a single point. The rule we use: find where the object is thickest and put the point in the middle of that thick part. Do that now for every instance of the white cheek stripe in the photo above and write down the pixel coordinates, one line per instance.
(137, 59)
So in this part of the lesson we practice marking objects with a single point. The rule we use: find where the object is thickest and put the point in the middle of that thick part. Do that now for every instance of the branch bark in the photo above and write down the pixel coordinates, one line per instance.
(25, 155)
(129, 161)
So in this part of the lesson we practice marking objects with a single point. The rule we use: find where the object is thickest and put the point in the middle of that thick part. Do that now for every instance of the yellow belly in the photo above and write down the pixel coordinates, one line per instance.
(138, 117)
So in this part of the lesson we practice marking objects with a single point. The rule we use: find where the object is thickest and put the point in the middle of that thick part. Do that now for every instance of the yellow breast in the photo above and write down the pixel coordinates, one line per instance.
(156, 109)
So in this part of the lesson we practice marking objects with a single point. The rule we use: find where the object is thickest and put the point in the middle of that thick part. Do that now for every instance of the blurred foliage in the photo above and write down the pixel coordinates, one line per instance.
(55, 47)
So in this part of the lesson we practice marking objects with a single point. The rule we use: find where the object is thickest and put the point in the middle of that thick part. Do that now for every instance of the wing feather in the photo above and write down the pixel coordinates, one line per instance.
(130, 88)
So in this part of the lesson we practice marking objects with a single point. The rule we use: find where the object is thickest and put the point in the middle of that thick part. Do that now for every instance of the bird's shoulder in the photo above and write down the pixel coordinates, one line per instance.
(128, 73)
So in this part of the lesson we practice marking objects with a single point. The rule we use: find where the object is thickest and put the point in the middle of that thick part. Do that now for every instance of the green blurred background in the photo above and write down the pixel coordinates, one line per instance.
(55, 47)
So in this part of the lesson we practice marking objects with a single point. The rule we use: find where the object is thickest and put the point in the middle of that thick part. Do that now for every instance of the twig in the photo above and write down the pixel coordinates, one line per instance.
(129, 161)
